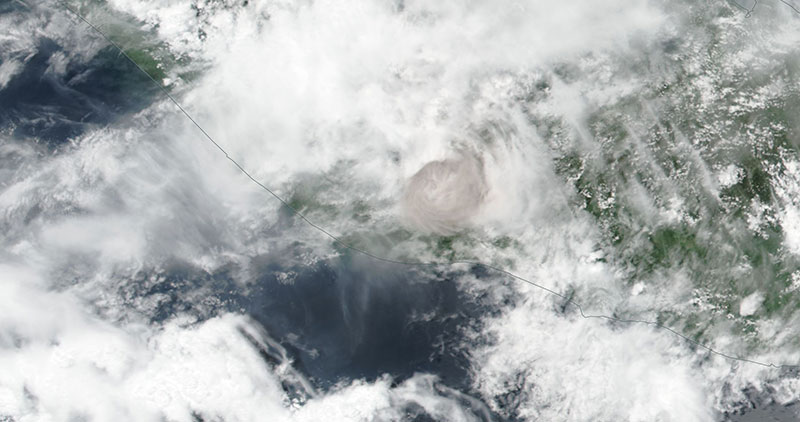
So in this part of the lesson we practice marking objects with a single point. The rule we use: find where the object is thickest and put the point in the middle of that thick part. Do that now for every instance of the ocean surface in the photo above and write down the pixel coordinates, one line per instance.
(399, 210)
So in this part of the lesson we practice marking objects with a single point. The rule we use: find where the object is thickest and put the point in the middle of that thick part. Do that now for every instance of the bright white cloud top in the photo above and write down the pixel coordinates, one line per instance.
(635, 156)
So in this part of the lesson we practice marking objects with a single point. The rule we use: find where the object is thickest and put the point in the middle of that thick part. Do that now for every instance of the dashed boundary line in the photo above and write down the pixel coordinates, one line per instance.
(749, 12)
(568, 300)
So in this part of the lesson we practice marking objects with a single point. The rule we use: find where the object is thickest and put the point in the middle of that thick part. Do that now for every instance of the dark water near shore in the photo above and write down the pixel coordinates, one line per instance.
(341, 319)
(42, 103)
(363, 320)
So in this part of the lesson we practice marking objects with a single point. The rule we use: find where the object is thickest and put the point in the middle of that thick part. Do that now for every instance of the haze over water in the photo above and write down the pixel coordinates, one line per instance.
(635, 157)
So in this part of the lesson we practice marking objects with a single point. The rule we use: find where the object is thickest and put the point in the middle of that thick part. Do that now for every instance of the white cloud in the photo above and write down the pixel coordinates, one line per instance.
(572, 369)
(60, 362)
(359, 96)
(750, 304)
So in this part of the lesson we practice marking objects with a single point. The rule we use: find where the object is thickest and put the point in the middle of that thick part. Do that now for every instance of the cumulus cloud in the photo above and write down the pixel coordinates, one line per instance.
(355, 112)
